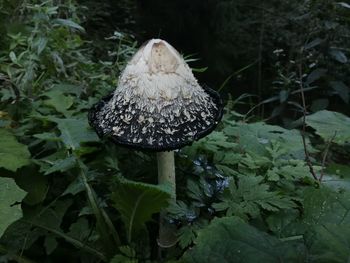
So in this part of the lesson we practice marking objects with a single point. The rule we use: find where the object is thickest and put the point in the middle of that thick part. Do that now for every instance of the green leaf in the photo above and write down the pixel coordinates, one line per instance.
(256, 137)
(339, 169)
(59, 101)
(13, 155)
(10, 195)
(40, 43)
(338, 56)
(187, 234)
(137, 202)
(128, 255)
(319, 104)
(343, 4)
(68, 23)
(230, 240)
(13, 57)
(329, 243)
(47, 136)
(250, 196)
(75, 132)
(214, 142)
(50, 244)
(337, 176)
(80, 229)
(75, 187)
(329, 124)
(315, 75)
(324, 205)
(51, 218)
(35, 184)
(62, 165)
(342, 90)
(327, 222)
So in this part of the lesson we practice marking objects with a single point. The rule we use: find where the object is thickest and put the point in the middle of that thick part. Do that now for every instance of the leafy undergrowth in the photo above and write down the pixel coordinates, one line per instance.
(244, 193)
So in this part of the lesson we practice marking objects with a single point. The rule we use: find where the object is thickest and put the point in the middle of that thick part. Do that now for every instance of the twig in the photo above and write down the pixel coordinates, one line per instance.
(261, 39)
(307, 155)
(325, 155)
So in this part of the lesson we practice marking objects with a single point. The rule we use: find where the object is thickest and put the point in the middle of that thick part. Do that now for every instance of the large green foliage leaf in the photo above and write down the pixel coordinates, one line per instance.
(329, 243)
(10, 194)
(249, 196)
(256, 137)
(327, 224)
(36, 184)
(136, 202)
(326, 206)
(331, 125)
(75, 132)
(231, 240)
(13, 155)
(59, 101)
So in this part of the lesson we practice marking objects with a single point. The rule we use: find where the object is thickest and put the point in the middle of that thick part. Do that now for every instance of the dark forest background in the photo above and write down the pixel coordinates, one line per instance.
(252, 48)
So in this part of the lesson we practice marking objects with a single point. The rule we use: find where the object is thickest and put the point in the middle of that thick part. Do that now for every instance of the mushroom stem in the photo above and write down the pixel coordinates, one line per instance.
(166, 176)
(166, 170)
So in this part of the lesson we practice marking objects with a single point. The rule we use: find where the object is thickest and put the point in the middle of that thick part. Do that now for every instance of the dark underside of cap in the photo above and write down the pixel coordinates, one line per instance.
(166, 136)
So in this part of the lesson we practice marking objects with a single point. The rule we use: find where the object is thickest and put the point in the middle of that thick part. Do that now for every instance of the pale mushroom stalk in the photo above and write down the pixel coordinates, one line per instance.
(166, 176)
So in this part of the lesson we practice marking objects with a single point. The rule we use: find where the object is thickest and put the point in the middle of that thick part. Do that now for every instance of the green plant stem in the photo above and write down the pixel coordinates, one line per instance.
(166, 176)
(71, 240)
(105, 227)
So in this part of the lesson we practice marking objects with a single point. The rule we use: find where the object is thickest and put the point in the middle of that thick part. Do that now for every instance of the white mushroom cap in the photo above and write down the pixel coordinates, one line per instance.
(158, 104)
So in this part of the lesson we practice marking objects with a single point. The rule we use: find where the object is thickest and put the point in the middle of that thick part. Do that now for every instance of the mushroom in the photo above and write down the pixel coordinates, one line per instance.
(158, 106)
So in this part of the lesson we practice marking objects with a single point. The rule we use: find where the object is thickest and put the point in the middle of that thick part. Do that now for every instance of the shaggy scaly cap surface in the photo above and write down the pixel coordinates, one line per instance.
(158, 104)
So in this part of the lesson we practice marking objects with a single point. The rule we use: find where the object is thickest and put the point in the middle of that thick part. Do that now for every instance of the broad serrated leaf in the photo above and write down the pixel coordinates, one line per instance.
(10, 196)
(230, 240)
(256, 137)
(59, 101)
(13, 155)
(214, 142)
(80, 229)
(330, 126)
(187, 234)
(136, 202)
(75, 132)
(61, 165)
(249, 196)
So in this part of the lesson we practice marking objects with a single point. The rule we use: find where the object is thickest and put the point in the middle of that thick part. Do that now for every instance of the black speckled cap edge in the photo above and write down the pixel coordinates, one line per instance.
(154, 148)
